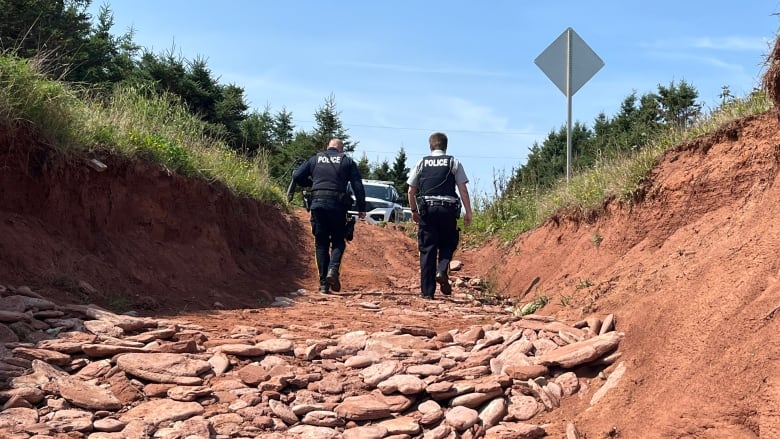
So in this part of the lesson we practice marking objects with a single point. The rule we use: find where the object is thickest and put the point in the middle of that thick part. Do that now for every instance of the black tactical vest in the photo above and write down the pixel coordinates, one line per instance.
(330, 171)
(436, 177)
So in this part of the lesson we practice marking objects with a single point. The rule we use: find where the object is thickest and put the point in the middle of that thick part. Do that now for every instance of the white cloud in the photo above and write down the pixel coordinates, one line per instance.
(701, 59)
(730, 43)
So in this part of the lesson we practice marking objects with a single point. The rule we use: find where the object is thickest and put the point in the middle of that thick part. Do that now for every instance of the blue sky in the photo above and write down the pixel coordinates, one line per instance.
(402, 69)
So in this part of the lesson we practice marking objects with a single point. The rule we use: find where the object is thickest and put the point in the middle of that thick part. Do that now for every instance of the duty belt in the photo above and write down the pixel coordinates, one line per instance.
(325, 193)
(440, 202)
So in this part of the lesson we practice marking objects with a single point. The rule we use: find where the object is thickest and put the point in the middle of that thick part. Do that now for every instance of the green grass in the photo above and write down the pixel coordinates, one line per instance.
(537, 303)
(133, 122)
(619, 178)
(28, 101)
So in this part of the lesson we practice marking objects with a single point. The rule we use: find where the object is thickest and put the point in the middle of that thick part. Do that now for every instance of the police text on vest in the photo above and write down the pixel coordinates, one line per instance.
(326, 159)
(436, 162)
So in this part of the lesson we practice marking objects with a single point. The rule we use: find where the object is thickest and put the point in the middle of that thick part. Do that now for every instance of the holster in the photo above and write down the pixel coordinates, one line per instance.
(306, 199)
(350, 228)
(347, 200)
(422, 205)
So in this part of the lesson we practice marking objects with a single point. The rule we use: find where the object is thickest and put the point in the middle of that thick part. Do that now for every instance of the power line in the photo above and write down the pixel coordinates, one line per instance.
(389, 127)
(459, 155)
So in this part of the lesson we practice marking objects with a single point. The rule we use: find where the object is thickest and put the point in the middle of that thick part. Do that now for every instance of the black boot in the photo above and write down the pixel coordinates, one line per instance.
(333, 279)
(444, 283)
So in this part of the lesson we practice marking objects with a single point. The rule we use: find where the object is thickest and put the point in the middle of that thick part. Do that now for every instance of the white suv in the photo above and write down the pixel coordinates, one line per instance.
(381, 202)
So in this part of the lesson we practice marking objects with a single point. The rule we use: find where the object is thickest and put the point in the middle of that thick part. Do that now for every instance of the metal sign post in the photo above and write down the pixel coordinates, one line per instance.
(569, 63)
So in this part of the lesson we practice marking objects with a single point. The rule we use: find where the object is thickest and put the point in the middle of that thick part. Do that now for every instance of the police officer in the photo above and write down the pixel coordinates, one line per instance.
(327, 173)
(435, 208)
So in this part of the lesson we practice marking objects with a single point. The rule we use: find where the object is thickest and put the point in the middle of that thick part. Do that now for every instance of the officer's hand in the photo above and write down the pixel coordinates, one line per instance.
(362, 215)
(415, 217)
(467, 218)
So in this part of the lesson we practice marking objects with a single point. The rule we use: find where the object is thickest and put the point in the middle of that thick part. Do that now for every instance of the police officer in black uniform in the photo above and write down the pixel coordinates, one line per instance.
(435, 208)
(327, 173)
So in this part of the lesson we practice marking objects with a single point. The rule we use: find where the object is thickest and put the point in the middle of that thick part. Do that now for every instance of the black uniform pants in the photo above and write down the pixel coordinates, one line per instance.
(329, 225)
(437, 239)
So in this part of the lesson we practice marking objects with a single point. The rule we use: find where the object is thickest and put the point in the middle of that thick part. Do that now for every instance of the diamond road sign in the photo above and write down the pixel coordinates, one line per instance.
(569, 55)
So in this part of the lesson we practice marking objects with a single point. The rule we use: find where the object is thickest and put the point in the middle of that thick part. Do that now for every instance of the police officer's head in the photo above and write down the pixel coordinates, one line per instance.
(336, 144)
(438, 141)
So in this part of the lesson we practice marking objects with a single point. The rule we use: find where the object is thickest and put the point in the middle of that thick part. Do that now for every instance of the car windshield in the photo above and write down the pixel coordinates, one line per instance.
(381, 192)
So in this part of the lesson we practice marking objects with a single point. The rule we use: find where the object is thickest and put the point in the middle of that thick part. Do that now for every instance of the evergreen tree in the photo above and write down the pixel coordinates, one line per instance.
(283, 128)
(364, 166)
(300, 148)
(105, 59)
(60, 34)
(257, 133)
(55, 30)
(231, 110)
(306, 144)
(678, 103)
(222, 106)
(165, 72)
(636, 122)
(546, 163)
(329, 125)
(198, 88)
(383, 172)
(400, 172)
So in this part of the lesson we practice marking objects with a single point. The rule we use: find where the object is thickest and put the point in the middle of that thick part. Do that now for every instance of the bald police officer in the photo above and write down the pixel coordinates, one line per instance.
(327, 173)
(435, 208)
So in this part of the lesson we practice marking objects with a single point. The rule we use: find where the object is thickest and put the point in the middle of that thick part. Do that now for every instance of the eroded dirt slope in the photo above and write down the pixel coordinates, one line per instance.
(691, 271)
(143, 237)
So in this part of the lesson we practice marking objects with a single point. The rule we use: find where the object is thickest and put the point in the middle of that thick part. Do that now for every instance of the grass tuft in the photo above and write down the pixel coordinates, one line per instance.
(132, 121)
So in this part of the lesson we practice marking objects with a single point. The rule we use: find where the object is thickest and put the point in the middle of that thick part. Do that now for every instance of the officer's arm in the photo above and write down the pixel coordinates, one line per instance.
(358, 189)
(302, 175)
(466, 200)
(412, 195)
(413, 182)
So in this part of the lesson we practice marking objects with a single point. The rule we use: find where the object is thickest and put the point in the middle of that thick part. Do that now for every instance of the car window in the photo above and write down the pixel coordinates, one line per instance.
(377, 192)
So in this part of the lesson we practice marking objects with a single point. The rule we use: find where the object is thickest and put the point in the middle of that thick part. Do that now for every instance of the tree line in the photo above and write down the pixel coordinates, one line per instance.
(81, 49)
(77, 48)
(639, 119)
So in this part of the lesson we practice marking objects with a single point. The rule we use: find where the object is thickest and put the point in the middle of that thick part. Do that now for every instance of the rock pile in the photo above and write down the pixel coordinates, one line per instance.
(84, 372)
